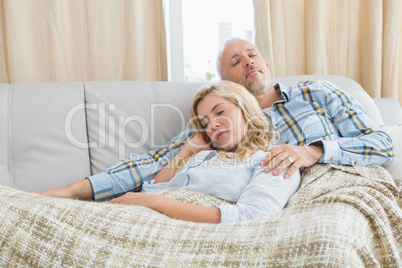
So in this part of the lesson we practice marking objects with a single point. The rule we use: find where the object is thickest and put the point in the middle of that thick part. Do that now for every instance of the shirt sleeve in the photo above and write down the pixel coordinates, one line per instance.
(264, 195)
(362, 142)
(128, 175)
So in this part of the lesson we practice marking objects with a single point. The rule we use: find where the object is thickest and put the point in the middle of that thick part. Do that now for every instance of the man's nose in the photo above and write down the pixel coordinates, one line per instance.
(247, 61)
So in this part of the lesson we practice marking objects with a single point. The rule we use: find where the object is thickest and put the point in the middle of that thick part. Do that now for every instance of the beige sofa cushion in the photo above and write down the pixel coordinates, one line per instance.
(4, 134)
(134, 117)
(40, 156)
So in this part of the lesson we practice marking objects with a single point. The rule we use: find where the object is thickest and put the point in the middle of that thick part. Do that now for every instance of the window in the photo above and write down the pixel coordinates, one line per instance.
(197, 29)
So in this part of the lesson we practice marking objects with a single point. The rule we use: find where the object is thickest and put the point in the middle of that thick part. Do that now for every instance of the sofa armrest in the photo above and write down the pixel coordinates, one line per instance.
(390, 110)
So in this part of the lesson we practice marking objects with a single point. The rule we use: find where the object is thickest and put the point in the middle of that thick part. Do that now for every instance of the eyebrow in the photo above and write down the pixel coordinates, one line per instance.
(211, 111)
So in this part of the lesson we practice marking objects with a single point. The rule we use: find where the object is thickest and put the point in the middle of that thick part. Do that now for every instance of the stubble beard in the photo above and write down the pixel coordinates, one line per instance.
(258, 86)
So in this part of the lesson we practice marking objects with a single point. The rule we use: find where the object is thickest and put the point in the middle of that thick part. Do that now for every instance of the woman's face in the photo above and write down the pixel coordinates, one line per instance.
(223, 122)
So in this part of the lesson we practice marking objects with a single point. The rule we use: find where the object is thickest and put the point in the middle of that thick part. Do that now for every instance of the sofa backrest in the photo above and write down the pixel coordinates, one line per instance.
(35, 151)
(55, 133)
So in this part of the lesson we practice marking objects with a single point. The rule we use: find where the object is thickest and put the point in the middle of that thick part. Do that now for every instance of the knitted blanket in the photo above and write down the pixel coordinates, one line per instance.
(340, 217)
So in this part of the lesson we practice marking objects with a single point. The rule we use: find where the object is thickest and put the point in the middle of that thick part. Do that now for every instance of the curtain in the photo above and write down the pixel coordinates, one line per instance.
(82, 40)
(359, 39)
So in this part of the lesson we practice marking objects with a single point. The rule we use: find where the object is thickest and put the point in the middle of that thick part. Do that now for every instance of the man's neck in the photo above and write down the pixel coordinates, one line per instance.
(268, 97)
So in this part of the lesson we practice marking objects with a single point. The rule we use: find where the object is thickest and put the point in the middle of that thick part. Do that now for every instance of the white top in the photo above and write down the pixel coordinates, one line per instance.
(255, 192)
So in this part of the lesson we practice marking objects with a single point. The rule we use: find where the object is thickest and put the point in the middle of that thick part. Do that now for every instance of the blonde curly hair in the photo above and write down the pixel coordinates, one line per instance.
(259, 135)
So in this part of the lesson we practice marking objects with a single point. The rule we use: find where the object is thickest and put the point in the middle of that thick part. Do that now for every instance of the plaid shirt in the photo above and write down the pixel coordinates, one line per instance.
(312, 111)
(316, 111)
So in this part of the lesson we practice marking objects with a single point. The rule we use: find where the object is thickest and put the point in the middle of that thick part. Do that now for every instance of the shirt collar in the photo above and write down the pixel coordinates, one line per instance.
(282, 90)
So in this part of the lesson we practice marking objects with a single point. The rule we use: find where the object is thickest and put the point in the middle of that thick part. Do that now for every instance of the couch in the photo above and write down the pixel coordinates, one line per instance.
(53, 134)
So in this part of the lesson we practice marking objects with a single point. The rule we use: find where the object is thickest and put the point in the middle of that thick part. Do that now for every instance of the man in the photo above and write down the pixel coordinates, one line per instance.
(330, 125)
(317, 122)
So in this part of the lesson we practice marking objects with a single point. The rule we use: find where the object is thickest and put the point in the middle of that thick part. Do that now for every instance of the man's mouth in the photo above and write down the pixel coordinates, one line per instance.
(251, 72)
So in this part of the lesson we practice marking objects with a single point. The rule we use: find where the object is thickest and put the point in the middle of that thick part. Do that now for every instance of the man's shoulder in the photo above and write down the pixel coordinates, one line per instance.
(314, 87)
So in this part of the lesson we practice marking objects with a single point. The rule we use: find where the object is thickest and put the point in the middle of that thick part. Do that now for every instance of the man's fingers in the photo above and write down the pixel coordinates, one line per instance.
(279, 163)
(293, 168)
(284, 163)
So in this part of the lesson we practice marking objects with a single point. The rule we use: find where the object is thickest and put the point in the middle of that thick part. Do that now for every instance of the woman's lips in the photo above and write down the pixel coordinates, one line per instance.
(220, 134)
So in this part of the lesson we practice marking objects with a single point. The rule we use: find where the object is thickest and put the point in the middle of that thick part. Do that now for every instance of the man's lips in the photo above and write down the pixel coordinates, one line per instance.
(251, 72)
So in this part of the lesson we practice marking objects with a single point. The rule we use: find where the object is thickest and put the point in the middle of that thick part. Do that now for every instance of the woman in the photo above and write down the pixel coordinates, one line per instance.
(223, 160)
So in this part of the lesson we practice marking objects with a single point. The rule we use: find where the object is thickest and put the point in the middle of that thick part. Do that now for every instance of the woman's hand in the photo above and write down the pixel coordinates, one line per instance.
(290, 156)
(200, 142)
(138, 199)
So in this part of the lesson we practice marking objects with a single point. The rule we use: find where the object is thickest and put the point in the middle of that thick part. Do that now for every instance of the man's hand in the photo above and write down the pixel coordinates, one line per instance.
(281, 157)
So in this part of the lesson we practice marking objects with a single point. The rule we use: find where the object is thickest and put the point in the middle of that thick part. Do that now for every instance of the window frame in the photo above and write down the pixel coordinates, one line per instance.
(174, 39)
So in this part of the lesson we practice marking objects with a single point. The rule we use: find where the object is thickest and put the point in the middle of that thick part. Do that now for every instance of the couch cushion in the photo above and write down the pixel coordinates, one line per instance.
(47, 128)
(390, 110)
(133, 117)
(395, 167)
(5, 178)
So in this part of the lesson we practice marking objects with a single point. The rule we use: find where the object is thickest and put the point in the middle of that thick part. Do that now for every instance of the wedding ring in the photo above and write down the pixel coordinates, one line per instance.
(290, 160)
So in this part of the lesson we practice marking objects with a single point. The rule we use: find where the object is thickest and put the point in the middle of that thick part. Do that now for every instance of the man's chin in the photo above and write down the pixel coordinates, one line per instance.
(257, 86)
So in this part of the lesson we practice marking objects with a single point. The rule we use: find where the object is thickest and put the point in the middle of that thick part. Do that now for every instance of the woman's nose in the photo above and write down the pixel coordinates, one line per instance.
(215, 124)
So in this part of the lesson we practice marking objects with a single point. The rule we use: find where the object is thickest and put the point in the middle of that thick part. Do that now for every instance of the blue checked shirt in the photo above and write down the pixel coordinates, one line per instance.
(312, 112)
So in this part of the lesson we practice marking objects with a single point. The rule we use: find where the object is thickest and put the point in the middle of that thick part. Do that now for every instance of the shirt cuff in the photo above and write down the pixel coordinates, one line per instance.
(101, 186)
(332, 153)
(229, 213)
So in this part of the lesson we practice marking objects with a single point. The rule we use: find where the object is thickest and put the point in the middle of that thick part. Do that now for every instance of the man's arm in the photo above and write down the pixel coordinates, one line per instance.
(124, 176)
(77, 190)
(361, 142)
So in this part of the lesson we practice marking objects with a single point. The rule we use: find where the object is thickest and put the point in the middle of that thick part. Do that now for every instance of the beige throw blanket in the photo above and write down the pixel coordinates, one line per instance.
(340, 217)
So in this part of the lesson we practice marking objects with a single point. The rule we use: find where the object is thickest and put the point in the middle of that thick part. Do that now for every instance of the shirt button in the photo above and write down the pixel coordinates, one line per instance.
(331, 159)
(276, 124)
(286, 142)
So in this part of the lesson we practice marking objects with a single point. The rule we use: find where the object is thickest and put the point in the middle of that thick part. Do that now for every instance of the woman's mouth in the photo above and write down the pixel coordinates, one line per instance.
(220, 135)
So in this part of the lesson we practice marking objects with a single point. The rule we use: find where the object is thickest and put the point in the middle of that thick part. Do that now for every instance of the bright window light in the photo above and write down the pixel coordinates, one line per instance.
(206, 24)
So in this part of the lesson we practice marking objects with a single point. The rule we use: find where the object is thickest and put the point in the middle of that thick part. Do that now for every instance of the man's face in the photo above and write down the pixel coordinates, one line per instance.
(242, 63)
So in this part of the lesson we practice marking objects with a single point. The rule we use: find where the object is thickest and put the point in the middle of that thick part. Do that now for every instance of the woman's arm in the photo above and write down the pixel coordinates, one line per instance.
(170, 207)
(194, 145)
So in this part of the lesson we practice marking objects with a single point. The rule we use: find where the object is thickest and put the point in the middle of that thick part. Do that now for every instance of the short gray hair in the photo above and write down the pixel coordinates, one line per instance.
(218, 58)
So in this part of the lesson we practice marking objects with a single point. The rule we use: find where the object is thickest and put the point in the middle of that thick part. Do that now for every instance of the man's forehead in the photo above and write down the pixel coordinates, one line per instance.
(236, 48)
